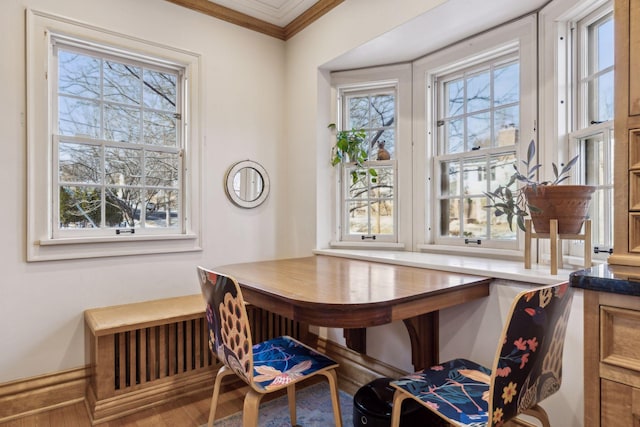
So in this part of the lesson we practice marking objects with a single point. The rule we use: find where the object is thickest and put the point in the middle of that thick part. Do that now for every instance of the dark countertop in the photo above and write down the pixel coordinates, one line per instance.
(617, 279)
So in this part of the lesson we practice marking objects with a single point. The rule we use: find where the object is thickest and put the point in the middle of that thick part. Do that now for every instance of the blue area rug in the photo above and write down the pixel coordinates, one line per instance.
(313, 405)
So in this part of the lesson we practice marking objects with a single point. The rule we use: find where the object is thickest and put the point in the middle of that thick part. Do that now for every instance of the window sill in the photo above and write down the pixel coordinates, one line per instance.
(107, 246)
(113, 239)
(497, 268)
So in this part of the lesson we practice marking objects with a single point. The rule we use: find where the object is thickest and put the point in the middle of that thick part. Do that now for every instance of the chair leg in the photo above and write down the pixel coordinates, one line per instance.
(291, 395)
(222, 372)
(396, 411)
(332, 377)
(538, 412)
(250, 408)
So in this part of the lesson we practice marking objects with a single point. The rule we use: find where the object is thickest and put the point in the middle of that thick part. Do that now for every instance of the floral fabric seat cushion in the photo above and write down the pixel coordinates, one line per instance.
(456, 390)
(280, 361)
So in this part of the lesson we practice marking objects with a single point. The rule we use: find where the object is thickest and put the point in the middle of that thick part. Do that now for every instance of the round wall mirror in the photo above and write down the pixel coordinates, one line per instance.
(247, 184)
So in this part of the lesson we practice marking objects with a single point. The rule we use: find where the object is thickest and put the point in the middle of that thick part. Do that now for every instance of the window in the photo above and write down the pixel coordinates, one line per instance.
(592, 135)
(368, 195)
(478, 122)
(113, 143)
(475, 106)
(117, 142)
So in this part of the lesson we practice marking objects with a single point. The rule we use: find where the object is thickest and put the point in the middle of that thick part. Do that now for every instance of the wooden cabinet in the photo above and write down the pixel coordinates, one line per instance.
(620, 409)
(612, 359)
(627, 134)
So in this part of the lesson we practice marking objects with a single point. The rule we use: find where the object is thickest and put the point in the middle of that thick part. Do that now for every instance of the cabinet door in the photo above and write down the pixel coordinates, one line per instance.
(620, 405)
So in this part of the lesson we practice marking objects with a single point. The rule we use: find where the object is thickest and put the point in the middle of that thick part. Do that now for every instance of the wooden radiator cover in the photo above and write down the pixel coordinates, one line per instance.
(145, 354)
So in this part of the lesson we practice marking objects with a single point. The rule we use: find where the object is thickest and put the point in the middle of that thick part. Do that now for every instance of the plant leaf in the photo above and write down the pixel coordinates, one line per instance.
(531, 152)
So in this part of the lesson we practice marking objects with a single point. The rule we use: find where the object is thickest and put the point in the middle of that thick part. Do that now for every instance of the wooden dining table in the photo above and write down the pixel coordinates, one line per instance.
(355, 294)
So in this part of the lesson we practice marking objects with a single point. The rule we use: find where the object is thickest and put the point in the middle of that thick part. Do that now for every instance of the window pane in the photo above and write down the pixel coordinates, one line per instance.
(358, 189)
(454, 102)
(382, 110)
(382, 217)
(80, 207)
(500, 226)
(384, 185)
(127, 202)
(475, 184)
(358, 221)
(161, 208)
(475, 218)
(597, 152)
(506, 84)
(160, 90)
(500, 171)
(122, 83)
(475, 176)
(605, 44)
(159, 129)
(478, 92)
(384, 148)
(78, 117)
(450, 221)
(122, 166)
(79, 163)
(605, 97)
(450, 178)
(78, 75)
(453, 136)
(594, 156)
(121, 123)
(479, 131)
(506, 126)
(602, 231)
(161, 169)
(358, 112)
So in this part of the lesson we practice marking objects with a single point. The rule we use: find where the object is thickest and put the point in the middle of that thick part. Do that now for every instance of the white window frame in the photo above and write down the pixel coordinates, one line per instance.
(42, 242)
(581, 128)
(520, 35)
(397, 77)
(348, 168)
(504, 56)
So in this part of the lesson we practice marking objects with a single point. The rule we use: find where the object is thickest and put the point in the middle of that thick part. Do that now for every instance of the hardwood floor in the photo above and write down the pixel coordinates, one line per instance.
(191, 411)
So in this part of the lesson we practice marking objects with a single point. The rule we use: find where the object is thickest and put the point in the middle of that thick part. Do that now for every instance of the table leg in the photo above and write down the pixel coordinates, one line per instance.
(356, 339)
(423, 334)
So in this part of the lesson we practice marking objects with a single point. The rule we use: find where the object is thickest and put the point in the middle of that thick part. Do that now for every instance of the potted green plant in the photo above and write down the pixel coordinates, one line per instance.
(542, 200)
(349, 148)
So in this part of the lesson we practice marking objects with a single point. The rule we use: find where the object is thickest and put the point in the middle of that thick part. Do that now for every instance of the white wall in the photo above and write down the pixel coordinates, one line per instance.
(41, 304)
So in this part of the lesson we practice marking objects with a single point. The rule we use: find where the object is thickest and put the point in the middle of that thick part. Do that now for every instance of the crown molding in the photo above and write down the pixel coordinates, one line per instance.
(283, 33)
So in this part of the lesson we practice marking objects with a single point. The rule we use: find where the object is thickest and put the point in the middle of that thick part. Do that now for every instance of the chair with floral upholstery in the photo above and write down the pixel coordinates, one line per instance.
(527, 368)
(267, 366)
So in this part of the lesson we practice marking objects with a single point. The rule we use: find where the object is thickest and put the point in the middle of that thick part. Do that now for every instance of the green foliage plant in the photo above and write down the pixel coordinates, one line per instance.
(349, 147)
(513, 202)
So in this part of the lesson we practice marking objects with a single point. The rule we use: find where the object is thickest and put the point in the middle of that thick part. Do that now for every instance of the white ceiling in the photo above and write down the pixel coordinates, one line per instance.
(445, 24)
(277, 12)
